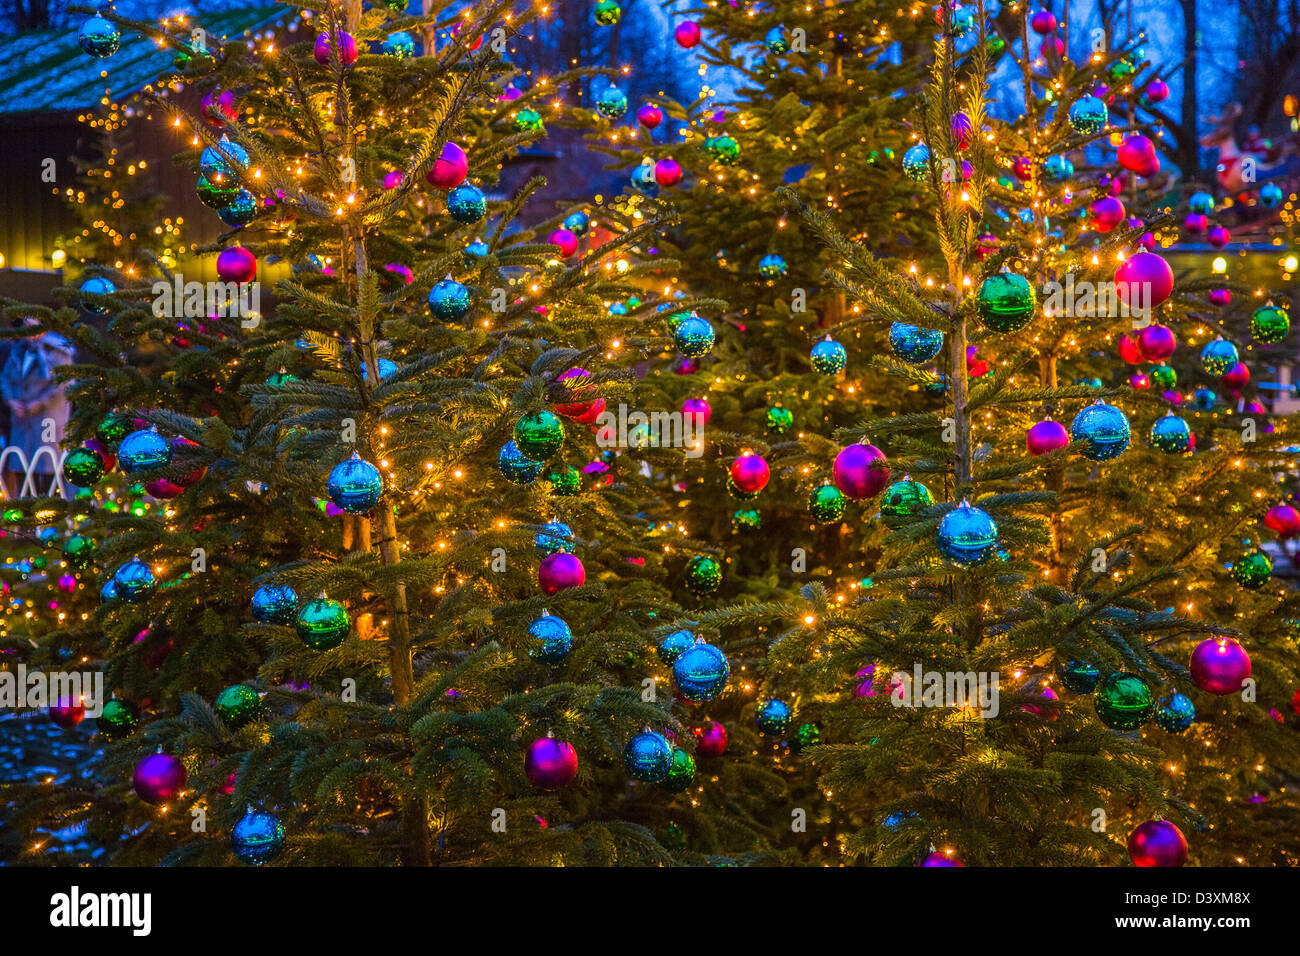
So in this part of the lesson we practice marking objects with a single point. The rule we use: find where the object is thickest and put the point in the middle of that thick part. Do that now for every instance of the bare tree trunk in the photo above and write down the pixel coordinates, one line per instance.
(1188, 156)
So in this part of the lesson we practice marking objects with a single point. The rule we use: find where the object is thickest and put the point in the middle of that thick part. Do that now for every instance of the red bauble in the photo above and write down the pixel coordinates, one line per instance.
(550, 764)
(449, 169)
(1129, 349)
(218, 107)
(1157, 843)
(561, 571)
(668, 172)
(1219, 667)
(67, 713)
(1137, 153)
(565, 242)
(649, 115)
(583, 412)
(940, 859)
(162, 489)
(710, 739)
(1220, 297)
(1283, 520)
(236, 264)
(478, 40)
(159, 778)
(165, 489)
(1157, 342)
(860, 471)
(750, 473)
(106, 456)
(347, 49)
(1022, 169)
(1043, 22)
(1236, 377)
(1144, 281)
(1105, 214)
(698, 411)
(1045, 437)
(1218, 237)
(687, 34)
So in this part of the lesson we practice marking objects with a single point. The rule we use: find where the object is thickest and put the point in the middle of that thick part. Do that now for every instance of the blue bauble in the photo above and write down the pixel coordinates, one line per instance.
(1088, 115)
(386, 368)
(1171, 435)
(1203, 399)
(694, 337)
(701, 672)
(1175, 713)
(96, 285)
(1057, 168)
(772, 266)
(554, 637)
(643, 181)
(1102, 430)
(214, 165)
(257, 838)
(275, 604)
(648, 757)
(554, 537)
(1218, 357)
(143, 450)
(476, 249)
(577, 223)
(399, 45)
(516, 468)
(240, 211)
(133, 582)
(894, 822)
(1270, 195)
(355, 485)
(913, 344)
(829, 357)
(967, 535)
(672, 646)
(612, 103)
(1201, 203)
(775, 40)
(466, 203)
(99, 37)
(109, 591)
(449, 300)
(773, 716)
(916, 162)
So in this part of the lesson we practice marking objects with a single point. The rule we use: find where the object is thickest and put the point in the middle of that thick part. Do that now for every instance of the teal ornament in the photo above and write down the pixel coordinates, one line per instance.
(773, 717)
(1081, 677)
(477, 249)
(1171, 435)
(672, 646)
(554, 537)
(643, 181)
(916, 162)
(274, 604)
(577, 223)
(772, 266)
(1005, 302)
(95, 285)
(134, 581)
(828, 356)
(648, 757)
(399, 45)
(1088, 115)
(238, 705)
(99, 37)
(516, 468)
(108, 592)
(554, 639)
(776, 42)
(323, 623)
(355, 485)
(1203, 399)
(612, 103)
(449, 300)
(967, 535)
(913, 344)
(257, 838)
(746, 519)
(240, 211)
(963, 19)
(1057, 168)
(1270, 194)
(466, 203)
(1218, 357)
(223, 161)
(903, 501)
(826, 503)
(701, 672)
(694, 337)
(1102, 430)
(539, 435)
(1175, 713)
(1201, 203)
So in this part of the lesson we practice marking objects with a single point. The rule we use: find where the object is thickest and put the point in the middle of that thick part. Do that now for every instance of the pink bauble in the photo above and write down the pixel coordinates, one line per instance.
(649, 115)
(1144, 281)
(393, 178)
(550, 764)
(218, 107)
(1105, 214)
(710, 739)
(750, 473)
(1157, 843)
(1137, 153)
(1114, 185)
(940, 859)
(1157, 342)
(860, 471)
(1236, 377)
(1049, 712)
(687, 34)
(565, 242)
(67, 713)
(510, 94)
(583, 412)
(399, 271)
(236, 264)
(1219, 666)
(1052, 45)
(1220, 297)
(1196, 223)
(1129, 349)
(66, 583)
(347, 48)
(963, 131)
(1157, 91)
(1139, 380)
(159, 778)
(561, 571)
(1283, 520)
(449, 169)
(1146, 241)
(1045, 437)
(1022, 168)
(1043, 22)
(698, 410)
(668, 172)
(162, 489)
(1218, 237)
(477, 41)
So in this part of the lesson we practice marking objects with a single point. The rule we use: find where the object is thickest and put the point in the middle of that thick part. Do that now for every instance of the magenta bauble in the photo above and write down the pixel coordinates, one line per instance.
(1157, 91)
(1137, 153)
(1139, 380)
(236, 264)
(963, 131)
(1236, 377)
(550, 764)
(668, 172)
(347, 48)
(1022, 168)
(860, 471)
(1144, 281)
(1105, 214)
(1283, 520)
(1045, 437)
(1196, 223)
(1157, 843)
(710, 739)
(940, 859)
(1052, 45)
(159, 778)
(561, 571)
(393, 178)
(1043, 22)
(697, 411)
(565, 242)
(750, 473)
(1220, 297)
(687, 34)
(1218, 237)
(218, 107)
(1219, 666)
(649, 115)
(449, 169)
(1147, 241)
(1157, 343)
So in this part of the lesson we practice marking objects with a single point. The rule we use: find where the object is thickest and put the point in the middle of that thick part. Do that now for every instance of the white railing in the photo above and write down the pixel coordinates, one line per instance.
(28, 470)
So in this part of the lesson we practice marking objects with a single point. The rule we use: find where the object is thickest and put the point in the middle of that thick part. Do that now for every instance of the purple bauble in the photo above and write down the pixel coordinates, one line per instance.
(159, 778)
(559, 571)
(698, 410)
(393, 178)
(710, 739)
(860, 471)
(1157, 843)
(347, 48)
(1045, 437)
(1220, 297)
(1196, 223)
(939, 859)
(1219, 667)
(866, 687)
(550, 764)
(1105, 214)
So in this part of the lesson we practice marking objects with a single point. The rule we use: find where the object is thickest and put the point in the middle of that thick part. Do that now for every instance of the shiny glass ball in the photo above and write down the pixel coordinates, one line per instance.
(223, 163)
(826, 503)
(238, 705)
(779, 419)
(1175, 713)
(773, 716)
(672, 646)
(1005, 302)
(355, 485)
(1102, 430)
(1088, 115)
(240, 211)
(681, 772)
(694, 337)
(913, 344)
(916, 162)
(99, 37)
(554, 639)
(322, 624)
(1081, 677)
(703, 575)
(772, 266)
(904, 500)
(539, 435)
(515, 467)
(1171, 435)
(1253, 569)
(466, 203)
(118, 719)
(1123, 701)
(143, 450)
(257, 838)
(1218, 357)
(275, 604)
(399, 45)
(612, 103)
(83, 467)
(829, 357)
(134, 582)
(1269, 324)
(648, 757)
(701, 672)
(79, 551)
(449, 300)
(554, 536)
(967, 535)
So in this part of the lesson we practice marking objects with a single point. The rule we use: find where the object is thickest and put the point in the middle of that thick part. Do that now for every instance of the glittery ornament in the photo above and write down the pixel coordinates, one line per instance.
(1269, 324)
(746, 519)
(134, 582)
(828, 356)
(554, 639)
(355, 485)
(703, 575)
(238, 705)
(99, 37)
(913, 344)
(1253, 569)
(916, 162)
(449, 300)
(1123, 701)
(466, 203)
(826, 503)
(773, 717)
(701, 672)
(1175, 713)
(275, 604)
(118, 719)
(672, 645)
(612, 103)
(1171, 435)
(1088, 115)
(516, 468)
(694, 337)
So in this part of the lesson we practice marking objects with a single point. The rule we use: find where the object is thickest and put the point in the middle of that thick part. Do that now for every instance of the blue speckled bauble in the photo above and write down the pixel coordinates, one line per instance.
(214, 164)
(643, 181)
(648, 757)
(275, 604)
(1218, 357)
(701, 672)
(829, 357)
(1081, 677)
(555, 536)
(143, 450)
(1175, 713)
(355, 485)
(554, 637)
(240, 211)
(1088, 115)
(694, 337)
(96, 285)
(1057, 168)
(133, 582)
(99, 37)
(449, 300)
(967, 535)
(515, 467)
(916, 162)
(258, 837)
(773, 716)
(323, 624)
(399, 45)
(671, 647)
(1171, 434)
(612, 103)
(775, 41)
(466, 203)
(913, 344)
(1102, 431)
(577, 223)
(772, 266)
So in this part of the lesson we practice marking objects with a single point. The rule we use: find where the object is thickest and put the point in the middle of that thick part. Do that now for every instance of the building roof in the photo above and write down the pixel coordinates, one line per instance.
(46, 70)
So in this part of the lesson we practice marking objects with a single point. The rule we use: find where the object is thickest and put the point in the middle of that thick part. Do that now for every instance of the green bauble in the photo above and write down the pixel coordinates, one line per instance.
(1006, 302)
(607, 12)
(826, 503)
(79, 551)
(779, 419)
(1124, 701)
(529, 121)
(723, 150)
(322, 624)
(238, 705)
(118, 719)
(703, 575)
(735, 491)
(1252, 569)
(808, 735)
(83, 467)
(1270, 324)
(903, 500)
(747, 519)
(681, 773)
(1164, 376)
(216, 195)
(1080, 677)
(112, 429)
(565, 481)
(539, 436)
